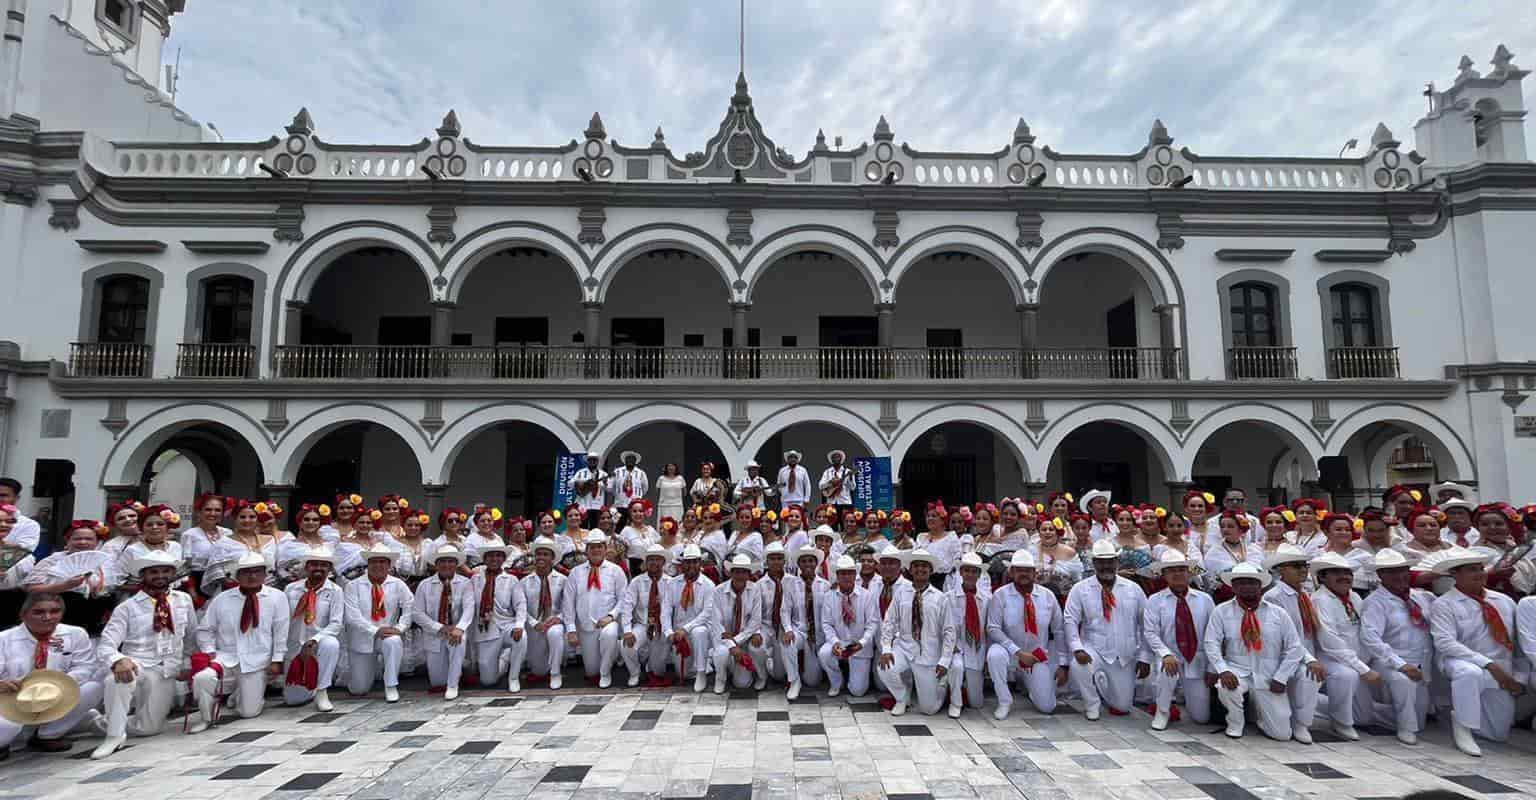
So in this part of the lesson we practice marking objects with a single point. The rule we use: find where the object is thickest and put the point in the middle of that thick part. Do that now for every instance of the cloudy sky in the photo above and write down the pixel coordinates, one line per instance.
(1252, 77)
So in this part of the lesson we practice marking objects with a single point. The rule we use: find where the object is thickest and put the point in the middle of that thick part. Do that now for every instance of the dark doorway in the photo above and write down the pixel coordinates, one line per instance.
(1120, 335)
(848, 347)
(320, 481)
(53, 492)
(944, 361)
(638, 344)
(948, 478)
(521, 347)
(402, 343)
(746, 364)
(1084, 474)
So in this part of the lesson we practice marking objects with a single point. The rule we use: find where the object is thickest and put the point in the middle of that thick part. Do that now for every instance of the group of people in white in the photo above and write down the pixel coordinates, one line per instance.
(1142, 615)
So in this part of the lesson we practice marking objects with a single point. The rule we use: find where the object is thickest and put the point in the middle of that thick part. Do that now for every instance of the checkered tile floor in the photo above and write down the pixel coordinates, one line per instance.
(592, 745)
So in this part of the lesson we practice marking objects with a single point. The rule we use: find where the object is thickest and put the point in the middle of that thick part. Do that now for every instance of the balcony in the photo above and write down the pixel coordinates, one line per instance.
(202, 360)
(110, 359)
(1261, 363)
(537, 363)
(1363, 362)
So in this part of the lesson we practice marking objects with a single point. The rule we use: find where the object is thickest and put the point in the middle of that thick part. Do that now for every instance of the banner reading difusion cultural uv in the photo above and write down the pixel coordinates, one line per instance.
(872, 482)
(565, 468)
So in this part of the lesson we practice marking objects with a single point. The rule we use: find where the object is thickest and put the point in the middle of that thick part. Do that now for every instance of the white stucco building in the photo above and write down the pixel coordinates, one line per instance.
(295, 317)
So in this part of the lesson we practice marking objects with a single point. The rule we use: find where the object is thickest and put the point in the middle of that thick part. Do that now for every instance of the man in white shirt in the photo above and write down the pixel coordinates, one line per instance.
(588, 487)
(1024, 628)
(968, 606)
(794, 483)
(783, 614)
(1473, 630)
(917, 639)
(241, 642)
(688, 617)
(640, 615)
(807, 586)
(1173, 623)
(1394, 627)
(314, 632)
(144, 646)
(1253, 648)
(837, 482)
(738, 618)
(1236, 501)
(544, 590)
(42, 642)
(752, 490)
(629, 482)
(444, 610)
(1338, 608)
(378, 613)
(1095, 503)
(849, 626)
(1289, 594)
(26, 534)
(1102, 620)
(1458, 528)
(592, 596)
(500, 629)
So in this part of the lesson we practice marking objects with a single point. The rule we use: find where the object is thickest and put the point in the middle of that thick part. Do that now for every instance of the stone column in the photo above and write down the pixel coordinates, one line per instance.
(1172, 363)
(293, 321)
(885, 317)
(120, 492)
(739, 324)
(591, 335)
(281, 494)
(1176, 490)
(1029, 331)
(432, 498)
(442, 322)
(1035, 491)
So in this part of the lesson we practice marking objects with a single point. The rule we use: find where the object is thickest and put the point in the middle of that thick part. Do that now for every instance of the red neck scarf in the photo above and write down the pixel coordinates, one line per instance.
(1495, 622)
(1349, 605)
(377, 610)
(778, 602)
(1108, 601)
(1031, 626)
(885, 597)
(653, 610)
(40, 655)
(848, 615)
(1184, 628)
(488, 596)
(250, 614)
(594, 576)
(164, 622)
(309, 604)
(687, 600)
(1415, 614)
(445, 601)
(1308, 614)
(972, 617)
(1252, 632)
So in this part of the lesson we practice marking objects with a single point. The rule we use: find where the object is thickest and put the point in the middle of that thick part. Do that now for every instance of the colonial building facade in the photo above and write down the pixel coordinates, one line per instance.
(293, 317)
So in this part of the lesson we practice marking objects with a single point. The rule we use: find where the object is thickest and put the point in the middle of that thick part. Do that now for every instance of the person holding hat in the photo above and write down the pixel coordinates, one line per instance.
(143, 646)
(837, 481)
(793, 482)
(1253, 649)
(500, 629)
(753, 490)
(1473, 628)
(1458, 528)
(48, 676)
(968, 601)
(917, 639)
(378, 614)
(241, 642)
(849, 626)
(1344, 653)
(1394, 627)
(738, 618)
(444, 609)
(1102, 619)
(588, 485)
(640, 618)
(1175, 620)
(544, 590)
(315, 627)
(1095, 503)
(1292, 595)
(592, 597)
(1026, 639)
(688, 618)
(777, 649)
(629, 482)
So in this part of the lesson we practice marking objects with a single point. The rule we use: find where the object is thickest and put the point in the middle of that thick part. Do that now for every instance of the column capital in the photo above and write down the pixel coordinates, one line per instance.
(434, 489)
(1166, 308)
(885, 308)
(295, 305)
(592, 305)
(742, 306)
(445, 304)
(1027, 308)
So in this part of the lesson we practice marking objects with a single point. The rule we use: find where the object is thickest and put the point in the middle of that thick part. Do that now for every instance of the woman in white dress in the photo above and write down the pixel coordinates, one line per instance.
(1199, 510)
(89, 593)
(1308, 533)
(394, 508)
(669, 492)
(197, 540)
(1276, 521)
(744, 536)
(350, 562)
(155, 526)
(1233, 547)
(767, 522)
(1149, 526)
(943, 543)
(672, 542)
(1176, 537)
(293, 552)
(450, 524)
(267, 525)
(412, 564)
(1056, 563)
(123, 526)
(485, 521)
(338, 525)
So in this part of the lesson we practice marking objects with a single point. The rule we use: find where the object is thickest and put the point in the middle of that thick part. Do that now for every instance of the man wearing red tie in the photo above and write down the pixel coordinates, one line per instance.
(1174, 621)
(968, 607)
(592, 594)
(1025, 638)
(640, 616)
(445, 610)
(1473, 629)
(314, 632)
(1103, 626)
(41, 642)
(629, 482)
(738, 617)
(1394, 625)
(378, 614)
(1289, 563)
(1254, 649)
(785, 624)
(241, 643)
(850, 625)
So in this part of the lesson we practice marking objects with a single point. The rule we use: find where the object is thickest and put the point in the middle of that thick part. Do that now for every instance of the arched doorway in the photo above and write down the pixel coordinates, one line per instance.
(957, 312)
(959, 462)
(1270, 465)
(1098, 319)
(665, 442)
(1109, 455)
(666, 313)
(1381, 454)
(814, 316)
(368, 316)
(509, 465)
(525, 304)
(362, 457)
(197, 458)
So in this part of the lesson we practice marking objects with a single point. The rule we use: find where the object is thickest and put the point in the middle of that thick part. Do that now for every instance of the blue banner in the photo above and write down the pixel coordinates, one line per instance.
(872, 483)
(565, 468)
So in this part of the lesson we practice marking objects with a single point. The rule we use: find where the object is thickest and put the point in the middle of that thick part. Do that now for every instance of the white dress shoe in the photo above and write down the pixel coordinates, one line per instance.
(700, 680)
(391, 694)
(1091, 713)
(1234, 731)
(1347, 732)
(197, 727)
(451, 693)
(898, 709)
(1462, 735)
(762, 681)
(323, 701)
(107, 747)
(720, 682)
(634, 680)
(794, 690)
(832, 691)
(1002, 711)
(605, 681)
(1301, 733)
(954, 711)
(1160, 720)
(514, 685)
(1408, 737)
(556, 681)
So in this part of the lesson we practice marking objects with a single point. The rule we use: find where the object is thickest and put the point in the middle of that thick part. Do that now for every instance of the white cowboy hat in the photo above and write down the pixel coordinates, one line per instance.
(1104, 548)
(754, 465)
(795, 453)
(1452, 558)
(1451, 486)
(1457, 502)
(892, 552)
(1022, 559)
(448, 551)
(504, 549)
(824, 530)
(970, 560)
(1246, 570)
(595, 537)
(806, 550)
(844, 563)
(840, 454)
(690, 552)
(544, 543)
(320, 553)
(1328, 561)
(594, 454)
(45, 695)
(1090, 496)
(775, 548)
(741, 561)
(624, 456)
(654, 550)
(1170, 558)
(914, 556)
(1387, 558)
(1285, 554)
(152, 558)
(379, 550)
(250, 561)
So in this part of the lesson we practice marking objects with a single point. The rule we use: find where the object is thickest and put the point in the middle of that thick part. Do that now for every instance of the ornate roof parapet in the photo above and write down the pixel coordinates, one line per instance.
(1159, 134)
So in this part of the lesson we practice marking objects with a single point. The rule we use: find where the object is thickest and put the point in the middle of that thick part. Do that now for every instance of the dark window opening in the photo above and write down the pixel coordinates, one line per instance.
(227, 305)
(1253, 315)
(1354, 315)
(124, 317)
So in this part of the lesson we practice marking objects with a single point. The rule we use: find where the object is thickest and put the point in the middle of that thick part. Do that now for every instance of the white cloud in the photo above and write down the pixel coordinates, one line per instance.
(1281, 77)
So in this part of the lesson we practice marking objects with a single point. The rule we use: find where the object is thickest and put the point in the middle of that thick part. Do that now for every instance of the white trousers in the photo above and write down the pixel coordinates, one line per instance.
(858, 670)
(600, 649)
(364, 668)
(930, 690)
(1302, 693)
(964, 683)
(493, 656)
(546, 651)
(1099, 681)
(785, 659)
(247, 689)
(445, 665)
(741, 678)
(703, 644)
(1477, 701)
(1407, 701)
(327, 652)
(1197, 698)
(151, 693)
(652, 653)
(1039, 680)
(1273, 711)
(90, 698)
(1341, 686)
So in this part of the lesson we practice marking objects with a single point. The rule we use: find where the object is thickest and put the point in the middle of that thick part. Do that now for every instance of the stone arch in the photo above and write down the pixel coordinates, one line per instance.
(1159, 438)
(300, 437)
(1132, 249)
(138, 443)
(299, 274)
(604, 438)
(452, 439)
(645, 238)
(816, 239)
(1004, 426)
(1421, 422)
(978, 242)
(854, 425)
(469, 251)
(1292, 430)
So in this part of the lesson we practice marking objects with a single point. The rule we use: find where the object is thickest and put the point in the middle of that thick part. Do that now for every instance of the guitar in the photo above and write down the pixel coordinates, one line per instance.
(836, 487)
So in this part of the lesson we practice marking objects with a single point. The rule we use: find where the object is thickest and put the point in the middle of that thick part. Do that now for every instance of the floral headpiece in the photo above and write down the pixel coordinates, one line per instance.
(396, 499)
(323, 510)
(164, 512)
(95, 526)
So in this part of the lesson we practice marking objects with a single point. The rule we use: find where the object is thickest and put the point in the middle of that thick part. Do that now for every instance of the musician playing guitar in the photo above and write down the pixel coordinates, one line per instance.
(837, 482)
(587, 489)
